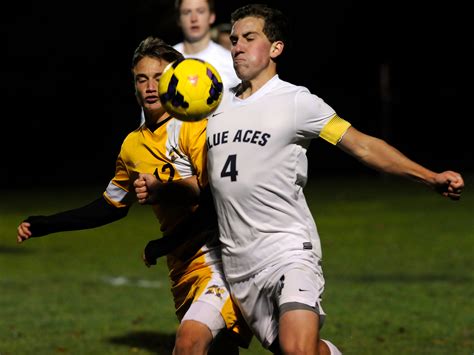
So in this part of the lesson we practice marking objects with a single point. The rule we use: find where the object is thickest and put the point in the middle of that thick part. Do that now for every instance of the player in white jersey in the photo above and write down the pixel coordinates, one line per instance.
(195, 17)
(257, 167)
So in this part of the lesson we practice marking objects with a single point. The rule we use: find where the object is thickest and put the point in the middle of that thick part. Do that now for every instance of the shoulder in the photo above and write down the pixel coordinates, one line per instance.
(287, 86)
(192, 135)
(129, 143)
(278, 87)
(300, 93)
(133, 136)
(186, 131)
(179, 47)
(216, 50)
(194, 127)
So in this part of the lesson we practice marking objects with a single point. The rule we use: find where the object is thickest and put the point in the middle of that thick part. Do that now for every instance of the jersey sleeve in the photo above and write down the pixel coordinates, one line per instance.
(312, 114)
(118, 192)
(193, 144)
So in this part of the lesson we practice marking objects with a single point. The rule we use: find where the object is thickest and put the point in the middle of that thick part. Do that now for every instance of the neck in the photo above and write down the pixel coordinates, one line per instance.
(249, 87)
(154, 117)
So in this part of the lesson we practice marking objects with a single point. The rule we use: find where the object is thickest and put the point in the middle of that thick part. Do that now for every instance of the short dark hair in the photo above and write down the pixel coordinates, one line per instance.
(276, 26)
(155, 47)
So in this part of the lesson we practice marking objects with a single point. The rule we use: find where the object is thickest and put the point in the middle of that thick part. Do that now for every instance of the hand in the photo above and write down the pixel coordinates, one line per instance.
(150, 254)
(160, 247)
(449, 184)
(147, 263)
(144, 185)
(23, 232)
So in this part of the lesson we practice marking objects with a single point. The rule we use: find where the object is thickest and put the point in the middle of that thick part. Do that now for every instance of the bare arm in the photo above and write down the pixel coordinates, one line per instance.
(383, 157)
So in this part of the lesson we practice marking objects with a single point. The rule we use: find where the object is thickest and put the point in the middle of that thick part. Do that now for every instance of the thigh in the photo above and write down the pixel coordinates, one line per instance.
(257, 306)
(207, 300)
(301, 314)
(206, 314)
(294, 285)
(299, 329)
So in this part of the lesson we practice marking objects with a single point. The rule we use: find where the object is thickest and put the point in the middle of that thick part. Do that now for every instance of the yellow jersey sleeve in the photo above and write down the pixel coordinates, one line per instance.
(334, 129)
(193, 144)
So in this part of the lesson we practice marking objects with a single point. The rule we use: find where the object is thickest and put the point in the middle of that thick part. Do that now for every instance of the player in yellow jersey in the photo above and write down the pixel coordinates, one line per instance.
(175, 153)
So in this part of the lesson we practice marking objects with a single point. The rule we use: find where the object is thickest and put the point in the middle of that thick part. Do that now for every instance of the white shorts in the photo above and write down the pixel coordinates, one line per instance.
(261, 296)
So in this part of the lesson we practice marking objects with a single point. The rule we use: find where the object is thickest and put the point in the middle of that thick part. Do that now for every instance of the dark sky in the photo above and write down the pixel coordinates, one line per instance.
(67, 93)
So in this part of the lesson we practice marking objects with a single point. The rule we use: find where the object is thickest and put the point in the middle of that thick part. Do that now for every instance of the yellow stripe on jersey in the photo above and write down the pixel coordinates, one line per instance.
(334, 129)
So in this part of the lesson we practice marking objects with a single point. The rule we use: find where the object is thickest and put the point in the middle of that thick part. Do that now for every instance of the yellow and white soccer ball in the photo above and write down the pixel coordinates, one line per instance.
(190, 89)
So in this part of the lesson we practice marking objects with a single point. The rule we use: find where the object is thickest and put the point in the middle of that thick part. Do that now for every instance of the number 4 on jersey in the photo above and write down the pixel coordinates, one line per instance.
(230, 168)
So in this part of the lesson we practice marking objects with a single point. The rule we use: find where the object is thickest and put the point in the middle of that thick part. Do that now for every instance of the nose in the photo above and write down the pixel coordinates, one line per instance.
(151, 86)
(236, 47)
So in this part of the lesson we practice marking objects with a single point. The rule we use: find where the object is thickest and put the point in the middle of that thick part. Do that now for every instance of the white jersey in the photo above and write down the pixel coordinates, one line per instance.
(220, 58)
(257, 169)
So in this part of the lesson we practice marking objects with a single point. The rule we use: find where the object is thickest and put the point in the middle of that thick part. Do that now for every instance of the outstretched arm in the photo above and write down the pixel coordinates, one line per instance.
(383, 157)
(95, 214)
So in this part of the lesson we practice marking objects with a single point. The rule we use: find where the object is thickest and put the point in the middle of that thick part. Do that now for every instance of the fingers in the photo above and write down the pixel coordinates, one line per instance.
(23, 232)
(140, 181)
(453, 185)
(454, 193)
(454, 178)
(141, 189)
(142, 196)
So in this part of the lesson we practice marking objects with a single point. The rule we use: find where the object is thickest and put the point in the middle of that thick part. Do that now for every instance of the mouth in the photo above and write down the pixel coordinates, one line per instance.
(152, 99)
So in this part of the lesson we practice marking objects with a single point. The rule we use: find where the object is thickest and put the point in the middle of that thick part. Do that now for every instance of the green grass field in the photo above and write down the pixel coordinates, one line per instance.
(398, 261)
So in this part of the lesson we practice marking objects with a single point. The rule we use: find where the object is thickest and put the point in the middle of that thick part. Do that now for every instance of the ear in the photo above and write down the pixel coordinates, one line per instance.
(212, 18)
(276, 49)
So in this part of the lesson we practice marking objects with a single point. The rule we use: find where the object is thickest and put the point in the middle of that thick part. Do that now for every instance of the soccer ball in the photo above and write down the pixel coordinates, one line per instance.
(190, 89)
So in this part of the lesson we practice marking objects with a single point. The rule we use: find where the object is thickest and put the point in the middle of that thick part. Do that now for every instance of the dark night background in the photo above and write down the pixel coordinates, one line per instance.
(67, 92)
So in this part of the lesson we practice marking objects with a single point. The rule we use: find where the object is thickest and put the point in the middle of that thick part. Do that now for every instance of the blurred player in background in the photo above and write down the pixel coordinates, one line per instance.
(257, 169)
(174, 152)
(195, 18)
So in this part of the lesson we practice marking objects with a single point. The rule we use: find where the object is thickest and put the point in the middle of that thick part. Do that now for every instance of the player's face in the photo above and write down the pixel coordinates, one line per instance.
(147, 73)
(195, 19)
(250, 48)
